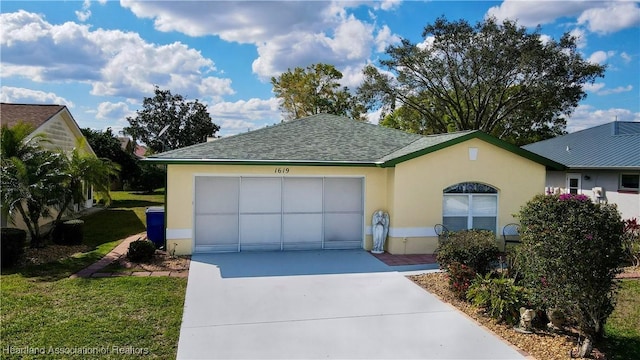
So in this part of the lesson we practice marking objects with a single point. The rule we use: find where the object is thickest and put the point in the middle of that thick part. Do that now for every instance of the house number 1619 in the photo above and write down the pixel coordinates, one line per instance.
(281, 170)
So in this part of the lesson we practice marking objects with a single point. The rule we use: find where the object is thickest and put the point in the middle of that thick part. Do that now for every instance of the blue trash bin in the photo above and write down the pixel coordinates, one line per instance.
(155, 225)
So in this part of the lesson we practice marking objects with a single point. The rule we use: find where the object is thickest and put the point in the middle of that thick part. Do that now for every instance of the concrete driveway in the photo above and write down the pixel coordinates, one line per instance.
(342, 304)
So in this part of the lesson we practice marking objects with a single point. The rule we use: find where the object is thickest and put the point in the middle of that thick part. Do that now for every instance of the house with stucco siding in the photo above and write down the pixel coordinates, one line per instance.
(314, 183)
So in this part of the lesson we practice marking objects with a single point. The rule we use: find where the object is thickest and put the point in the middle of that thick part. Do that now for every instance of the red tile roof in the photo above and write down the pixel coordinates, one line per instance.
(34, 115)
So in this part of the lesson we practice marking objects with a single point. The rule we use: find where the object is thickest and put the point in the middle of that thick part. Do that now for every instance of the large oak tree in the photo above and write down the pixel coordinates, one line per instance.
(188, 122)
(498, 78)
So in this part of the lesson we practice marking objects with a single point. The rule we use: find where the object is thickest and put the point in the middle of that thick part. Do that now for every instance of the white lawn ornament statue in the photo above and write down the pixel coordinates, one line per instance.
(380, 229)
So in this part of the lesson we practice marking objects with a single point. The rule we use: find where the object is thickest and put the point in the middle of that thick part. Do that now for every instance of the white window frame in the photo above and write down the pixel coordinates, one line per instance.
(470, 215)
(578, 188)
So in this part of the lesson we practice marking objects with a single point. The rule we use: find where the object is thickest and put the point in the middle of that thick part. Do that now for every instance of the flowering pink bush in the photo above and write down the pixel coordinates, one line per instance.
(631, 240)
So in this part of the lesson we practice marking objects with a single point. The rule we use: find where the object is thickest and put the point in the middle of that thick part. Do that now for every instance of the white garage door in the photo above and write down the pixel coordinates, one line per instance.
(277, 213)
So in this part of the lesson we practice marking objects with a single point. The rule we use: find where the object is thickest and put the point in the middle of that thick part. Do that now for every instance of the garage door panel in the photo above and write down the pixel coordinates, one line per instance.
(302, 231)
(278, 213)
(343, 194)
(217, 194)
(260, 231)
(343, 227)
(302, 195)
(216, 229)
(260, 195)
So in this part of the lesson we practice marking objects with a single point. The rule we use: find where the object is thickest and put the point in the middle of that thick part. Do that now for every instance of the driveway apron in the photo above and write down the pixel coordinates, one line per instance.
(341, 304)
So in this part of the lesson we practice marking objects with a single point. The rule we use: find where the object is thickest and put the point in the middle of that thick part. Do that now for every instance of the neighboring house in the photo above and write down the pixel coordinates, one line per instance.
(57, 123)
(127, 144)
(603, 162)
(314, 183)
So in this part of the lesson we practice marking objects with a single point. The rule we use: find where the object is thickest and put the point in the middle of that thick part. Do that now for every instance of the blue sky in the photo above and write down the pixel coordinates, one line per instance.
(101, 58)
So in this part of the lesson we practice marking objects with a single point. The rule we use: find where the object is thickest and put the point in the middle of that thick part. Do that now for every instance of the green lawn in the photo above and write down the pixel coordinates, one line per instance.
(622, 331)
(43, 310)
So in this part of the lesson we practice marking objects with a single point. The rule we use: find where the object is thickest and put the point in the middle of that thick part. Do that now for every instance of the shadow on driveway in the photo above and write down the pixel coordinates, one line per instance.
(288, 263)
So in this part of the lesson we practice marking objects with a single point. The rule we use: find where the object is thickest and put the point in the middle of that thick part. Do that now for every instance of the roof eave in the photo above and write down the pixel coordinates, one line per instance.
(185, 161)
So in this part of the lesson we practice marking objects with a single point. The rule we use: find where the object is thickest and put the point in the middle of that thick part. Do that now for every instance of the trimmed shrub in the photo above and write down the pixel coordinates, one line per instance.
(460, 278)
(12, 246)
(73, 232)
(500, 297)
(569, 257)
(141, 251)
(476, 249)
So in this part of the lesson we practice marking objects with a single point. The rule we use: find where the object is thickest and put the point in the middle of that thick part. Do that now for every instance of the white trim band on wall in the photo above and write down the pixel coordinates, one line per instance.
(408, 232)
(175, 234)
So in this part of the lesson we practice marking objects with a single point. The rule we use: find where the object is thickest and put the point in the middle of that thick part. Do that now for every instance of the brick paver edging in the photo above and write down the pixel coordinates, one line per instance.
(93, 270)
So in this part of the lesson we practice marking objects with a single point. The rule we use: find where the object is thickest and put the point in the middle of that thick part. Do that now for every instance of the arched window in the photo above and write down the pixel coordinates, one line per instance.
(470, 205)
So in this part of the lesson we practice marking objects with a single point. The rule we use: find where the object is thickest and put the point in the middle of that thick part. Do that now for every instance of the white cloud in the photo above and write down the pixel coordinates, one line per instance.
(352, 76)
(27, 96)
(581, 37)
(600, 89)
(390, 4)
(287, 34)
(384, 38)
(595, 87)
(585, 116)
(616, 90)
(350, 46)
(598, 16)
(374, 116)
(239, 21)
(113, 62)
(600, 57)
(427, 43)
(84, 14)
(22, 26)
(533, 13)
(625, 57)
(614, 17)
(114, 111)
(243, 115)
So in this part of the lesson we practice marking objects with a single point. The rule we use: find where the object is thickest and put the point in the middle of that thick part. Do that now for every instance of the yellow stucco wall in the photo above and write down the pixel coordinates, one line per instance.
(419, 184)
(180, 194)
(411, 192)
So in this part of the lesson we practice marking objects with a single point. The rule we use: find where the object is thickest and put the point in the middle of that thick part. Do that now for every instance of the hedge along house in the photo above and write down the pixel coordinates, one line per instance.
(314, 183)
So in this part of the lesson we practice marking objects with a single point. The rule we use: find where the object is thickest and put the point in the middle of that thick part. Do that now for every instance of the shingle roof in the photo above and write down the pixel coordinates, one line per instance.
(613, 145)
(324, 139)
(34, 115)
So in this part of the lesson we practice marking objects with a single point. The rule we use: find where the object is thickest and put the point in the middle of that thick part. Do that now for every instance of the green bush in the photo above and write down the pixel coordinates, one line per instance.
(151, 177)
(476, 249)
(72, 232)
(500, 297)
(460, 278)
(141, 251)
(569, 257)
(12, 246)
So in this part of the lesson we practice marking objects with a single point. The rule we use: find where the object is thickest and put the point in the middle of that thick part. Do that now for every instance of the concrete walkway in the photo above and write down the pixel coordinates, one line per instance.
(321, 304)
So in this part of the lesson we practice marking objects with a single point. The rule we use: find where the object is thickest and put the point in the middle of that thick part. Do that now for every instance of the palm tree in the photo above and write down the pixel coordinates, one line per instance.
(31, 177)
(79, 169)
